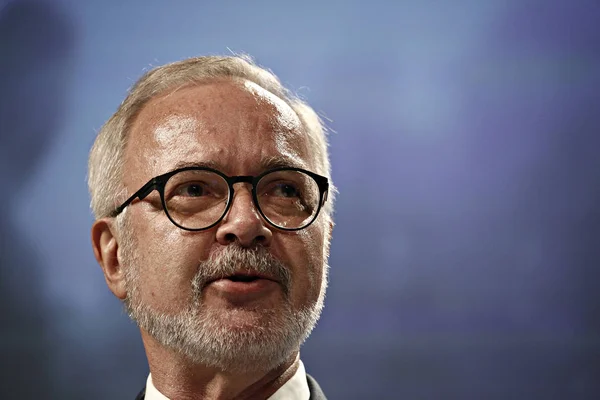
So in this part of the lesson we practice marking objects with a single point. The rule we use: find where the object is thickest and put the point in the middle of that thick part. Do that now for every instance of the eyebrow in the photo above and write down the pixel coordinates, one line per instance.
(265, 164)
(282, 162)
(198, 164)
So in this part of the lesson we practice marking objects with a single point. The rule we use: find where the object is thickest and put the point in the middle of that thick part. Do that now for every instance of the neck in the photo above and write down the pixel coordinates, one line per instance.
(177, 378)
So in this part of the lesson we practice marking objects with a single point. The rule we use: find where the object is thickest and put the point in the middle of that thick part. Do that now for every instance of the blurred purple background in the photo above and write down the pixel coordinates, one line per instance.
(465, 259)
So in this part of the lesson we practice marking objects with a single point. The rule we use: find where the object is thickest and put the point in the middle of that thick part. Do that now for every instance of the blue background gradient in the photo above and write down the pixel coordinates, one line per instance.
(465, 138)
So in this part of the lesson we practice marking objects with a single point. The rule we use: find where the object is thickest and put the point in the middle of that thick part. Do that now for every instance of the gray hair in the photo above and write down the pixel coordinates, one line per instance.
(105, 165)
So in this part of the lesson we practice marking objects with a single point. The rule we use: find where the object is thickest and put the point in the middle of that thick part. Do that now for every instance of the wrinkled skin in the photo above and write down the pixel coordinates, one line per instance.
(240, 129)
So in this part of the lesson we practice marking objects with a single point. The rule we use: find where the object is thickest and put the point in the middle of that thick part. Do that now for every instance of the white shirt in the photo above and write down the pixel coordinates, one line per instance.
(294, 389)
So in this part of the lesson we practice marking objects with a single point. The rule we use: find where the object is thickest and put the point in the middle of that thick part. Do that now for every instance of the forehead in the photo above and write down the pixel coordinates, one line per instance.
(235, 126)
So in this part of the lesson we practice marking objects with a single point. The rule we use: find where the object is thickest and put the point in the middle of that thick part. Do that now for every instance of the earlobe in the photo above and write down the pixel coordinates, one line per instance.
(106, 246)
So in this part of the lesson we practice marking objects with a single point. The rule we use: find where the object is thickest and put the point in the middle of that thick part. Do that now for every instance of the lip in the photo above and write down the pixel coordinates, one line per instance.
(240, 290)
(253, 274)
(256, 287)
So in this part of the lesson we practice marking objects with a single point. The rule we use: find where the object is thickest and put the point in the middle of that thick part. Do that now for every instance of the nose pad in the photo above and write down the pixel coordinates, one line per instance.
(243, 222)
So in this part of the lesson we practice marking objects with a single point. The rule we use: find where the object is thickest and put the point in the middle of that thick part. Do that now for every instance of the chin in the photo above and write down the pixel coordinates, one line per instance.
(234, 339)
(244, 319)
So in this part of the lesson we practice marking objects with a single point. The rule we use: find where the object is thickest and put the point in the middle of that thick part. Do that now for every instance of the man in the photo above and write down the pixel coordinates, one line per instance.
(210, 187)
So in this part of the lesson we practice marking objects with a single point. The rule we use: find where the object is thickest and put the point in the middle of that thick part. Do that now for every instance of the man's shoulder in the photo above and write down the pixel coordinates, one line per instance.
(316, 393)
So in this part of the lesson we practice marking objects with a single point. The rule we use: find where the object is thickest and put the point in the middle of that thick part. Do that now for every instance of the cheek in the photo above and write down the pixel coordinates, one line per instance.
(168, 260)
(304, 254)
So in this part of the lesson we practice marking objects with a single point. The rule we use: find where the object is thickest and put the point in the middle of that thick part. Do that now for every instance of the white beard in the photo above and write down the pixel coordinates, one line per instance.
(214, 338)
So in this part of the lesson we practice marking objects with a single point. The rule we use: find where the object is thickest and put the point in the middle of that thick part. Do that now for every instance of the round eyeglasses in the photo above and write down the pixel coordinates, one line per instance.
(197, 198)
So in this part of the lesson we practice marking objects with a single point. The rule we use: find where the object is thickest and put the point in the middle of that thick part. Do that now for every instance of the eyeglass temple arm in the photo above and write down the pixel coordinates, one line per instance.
(323, 183)
(140, 194)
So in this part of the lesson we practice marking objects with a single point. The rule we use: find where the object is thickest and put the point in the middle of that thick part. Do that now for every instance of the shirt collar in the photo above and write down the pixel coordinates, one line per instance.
(296, 388)
(152, 393)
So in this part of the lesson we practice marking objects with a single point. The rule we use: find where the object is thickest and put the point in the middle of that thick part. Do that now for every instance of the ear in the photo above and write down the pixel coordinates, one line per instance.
(106, 246)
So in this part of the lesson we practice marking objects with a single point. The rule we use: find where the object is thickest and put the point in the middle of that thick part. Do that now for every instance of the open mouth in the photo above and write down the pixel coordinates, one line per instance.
(244, 286)
(243, 278)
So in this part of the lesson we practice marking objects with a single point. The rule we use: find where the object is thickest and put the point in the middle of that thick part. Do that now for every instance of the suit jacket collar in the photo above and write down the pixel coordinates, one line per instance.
(315, 390)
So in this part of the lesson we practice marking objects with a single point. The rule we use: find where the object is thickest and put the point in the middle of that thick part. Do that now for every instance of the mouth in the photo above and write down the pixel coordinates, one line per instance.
(244, 284)
(243, 277)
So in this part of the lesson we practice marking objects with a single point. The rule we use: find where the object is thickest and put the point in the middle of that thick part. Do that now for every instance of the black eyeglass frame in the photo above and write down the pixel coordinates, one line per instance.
(159, 182)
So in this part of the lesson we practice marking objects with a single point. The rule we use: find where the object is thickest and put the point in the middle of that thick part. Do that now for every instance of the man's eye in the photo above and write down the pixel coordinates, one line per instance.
(285, 190)
(191, 190)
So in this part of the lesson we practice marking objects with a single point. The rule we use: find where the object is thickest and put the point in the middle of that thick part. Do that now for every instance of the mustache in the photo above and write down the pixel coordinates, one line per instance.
(235, 258)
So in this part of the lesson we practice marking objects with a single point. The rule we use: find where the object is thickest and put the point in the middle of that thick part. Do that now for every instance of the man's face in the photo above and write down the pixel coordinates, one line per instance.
(239, 129)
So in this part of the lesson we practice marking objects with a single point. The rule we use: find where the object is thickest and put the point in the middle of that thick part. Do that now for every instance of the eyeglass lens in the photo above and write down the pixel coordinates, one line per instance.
(196, 199)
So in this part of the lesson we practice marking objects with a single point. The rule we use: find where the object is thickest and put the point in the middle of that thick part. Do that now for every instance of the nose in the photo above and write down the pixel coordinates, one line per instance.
(243, 223)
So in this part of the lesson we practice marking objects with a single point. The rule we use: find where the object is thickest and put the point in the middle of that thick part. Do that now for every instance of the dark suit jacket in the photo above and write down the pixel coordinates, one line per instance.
(315, 390)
